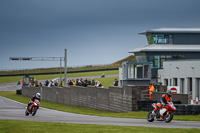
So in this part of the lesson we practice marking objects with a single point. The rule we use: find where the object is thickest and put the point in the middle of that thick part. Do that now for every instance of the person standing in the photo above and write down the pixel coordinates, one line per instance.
(151, 89)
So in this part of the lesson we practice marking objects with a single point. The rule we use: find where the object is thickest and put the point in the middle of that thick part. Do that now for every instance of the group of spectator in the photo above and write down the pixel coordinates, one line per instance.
(34, 83)
(50, 83)
(77, 82)
(85, 83)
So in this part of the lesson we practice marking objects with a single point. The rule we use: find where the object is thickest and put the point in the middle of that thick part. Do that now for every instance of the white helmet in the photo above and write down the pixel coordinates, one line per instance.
(38, 95)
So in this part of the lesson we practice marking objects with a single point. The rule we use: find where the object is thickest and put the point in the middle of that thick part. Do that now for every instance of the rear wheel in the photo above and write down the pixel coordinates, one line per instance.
(150, 117)
(26, 112)
(168, 118)
(34, 111)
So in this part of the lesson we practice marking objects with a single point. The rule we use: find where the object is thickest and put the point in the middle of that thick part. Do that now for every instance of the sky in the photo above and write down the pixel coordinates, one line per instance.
(94, 32)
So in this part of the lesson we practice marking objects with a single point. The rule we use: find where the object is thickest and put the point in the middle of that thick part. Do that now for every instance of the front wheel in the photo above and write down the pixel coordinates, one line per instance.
(168, 118)
(150, 117)
(26, 112)
(34, 111)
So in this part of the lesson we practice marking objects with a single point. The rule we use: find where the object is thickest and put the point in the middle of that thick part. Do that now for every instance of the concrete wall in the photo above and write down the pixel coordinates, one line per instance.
(183, 98)
(113, 99)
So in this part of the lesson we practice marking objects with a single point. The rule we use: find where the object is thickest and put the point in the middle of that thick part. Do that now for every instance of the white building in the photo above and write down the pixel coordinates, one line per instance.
(183, 73)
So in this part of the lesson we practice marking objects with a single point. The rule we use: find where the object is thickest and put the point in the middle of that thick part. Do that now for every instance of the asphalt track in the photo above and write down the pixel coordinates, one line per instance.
(12, 110)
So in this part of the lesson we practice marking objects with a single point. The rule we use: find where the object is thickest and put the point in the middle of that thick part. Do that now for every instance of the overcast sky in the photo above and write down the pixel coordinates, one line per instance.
(93, 31)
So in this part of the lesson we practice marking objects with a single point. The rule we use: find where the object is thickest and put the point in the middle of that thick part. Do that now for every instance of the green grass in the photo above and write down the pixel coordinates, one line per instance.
(13, 126)
(106, 82)
(57, 69)
(87, 111)
(12, 79)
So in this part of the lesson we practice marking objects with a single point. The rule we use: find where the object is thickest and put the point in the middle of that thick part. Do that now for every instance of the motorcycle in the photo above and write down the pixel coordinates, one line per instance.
(166, 113)
(33, 108)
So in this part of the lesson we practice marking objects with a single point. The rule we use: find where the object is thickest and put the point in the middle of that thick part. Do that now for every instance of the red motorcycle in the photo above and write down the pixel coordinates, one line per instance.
(166, 113)
(33, 108)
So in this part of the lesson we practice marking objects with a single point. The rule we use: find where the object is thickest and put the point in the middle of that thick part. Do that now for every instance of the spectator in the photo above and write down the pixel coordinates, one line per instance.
(116, 82)
(46, 83)
(36, 83)
(73, 81)
(55, 83)
(77, 82)
(29, 84)
(98, 84)
(50, 84)
(103, 76)
(70, 82)
(93, 82)
(40, 84)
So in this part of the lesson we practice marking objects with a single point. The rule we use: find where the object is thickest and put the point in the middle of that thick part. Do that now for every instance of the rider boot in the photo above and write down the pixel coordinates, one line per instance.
(28, 107)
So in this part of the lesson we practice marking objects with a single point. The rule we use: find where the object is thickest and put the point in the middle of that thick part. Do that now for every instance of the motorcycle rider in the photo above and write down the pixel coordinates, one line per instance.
(165, 98)
(37, 96)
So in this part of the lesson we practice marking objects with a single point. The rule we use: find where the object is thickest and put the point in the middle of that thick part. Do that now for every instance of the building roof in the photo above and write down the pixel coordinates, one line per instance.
(167, 48)
(172, 30)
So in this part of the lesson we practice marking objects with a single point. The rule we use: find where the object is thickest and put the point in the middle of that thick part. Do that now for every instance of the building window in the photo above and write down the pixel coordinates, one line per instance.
(162, 38)
(189, 84)
(139, 71)
(166, 82)
(174, 81)
(154, 61)
(130, 71)
(182, 86)
(146, 71)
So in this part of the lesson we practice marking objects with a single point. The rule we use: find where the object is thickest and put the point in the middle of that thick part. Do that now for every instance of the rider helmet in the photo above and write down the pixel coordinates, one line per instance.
(169, 93)
(38, 95)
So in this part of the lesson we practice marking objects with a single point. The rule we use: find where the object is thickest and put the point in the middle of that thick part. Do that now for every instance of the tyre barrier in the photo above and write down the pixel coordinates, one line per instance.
(181, 109)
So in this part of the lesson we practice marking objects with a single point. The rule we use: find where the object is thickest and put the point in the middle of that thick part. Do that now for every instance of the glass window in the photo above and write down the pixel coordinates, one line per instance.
(130, 71)
(150, 38)
(146, 71)
(139, 71)
(163, 38)
(162, 59)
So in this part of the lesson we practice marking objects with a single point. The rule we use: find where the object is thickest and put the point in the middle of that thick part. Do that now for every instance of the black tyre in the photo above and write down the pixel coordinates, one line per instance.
(34, 111)
(150, 117)
(168, 118)
(26, 112)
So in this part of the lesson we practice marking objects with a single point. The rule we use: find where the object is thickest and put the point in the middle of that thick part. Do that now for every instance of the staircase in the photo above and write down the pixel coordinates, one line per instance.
(145, 95)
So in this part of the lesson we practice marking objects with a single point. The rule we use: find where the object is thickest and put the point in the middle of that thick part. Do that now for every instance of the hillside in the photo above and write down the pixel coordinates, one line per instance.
(130, 58)
(117, 64)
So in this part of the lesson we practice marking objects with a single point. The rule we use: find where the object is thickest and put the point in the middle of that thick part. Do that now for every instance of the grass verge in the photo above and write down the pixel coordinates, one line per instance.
(87, 111)
(13, 126)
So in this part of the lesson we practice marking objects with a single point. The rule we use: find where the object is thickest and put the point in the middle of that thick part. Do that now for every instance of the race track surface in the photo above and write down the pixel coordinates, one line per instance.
(12, 110)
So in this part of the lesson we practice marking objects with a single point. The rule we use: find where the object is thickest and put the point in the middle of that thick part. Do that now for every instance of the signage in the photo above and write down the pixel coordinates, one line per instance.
(174, 89)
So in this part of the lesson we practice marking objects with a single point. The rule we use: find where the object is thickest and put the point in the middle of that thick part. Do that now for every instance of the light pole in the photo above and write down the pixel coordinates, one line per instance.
(65, 59)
